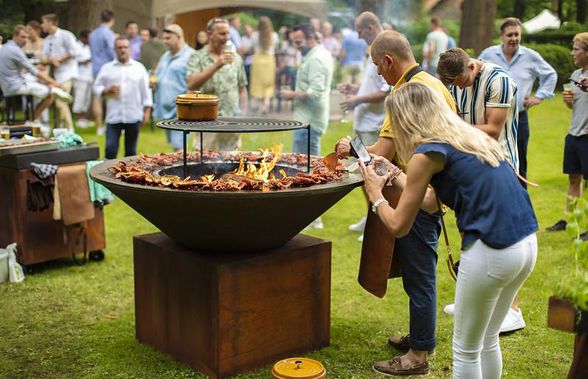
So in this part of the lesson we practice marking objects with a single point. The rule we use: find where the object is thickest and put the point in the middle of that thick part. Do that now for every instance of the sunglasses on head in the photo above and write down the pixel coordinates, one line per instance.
(214, 21)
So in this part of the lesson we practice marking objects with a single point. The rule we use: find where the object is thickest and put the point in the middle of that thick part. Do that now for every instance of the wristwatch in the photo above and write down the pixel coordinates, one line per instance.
(377, 203)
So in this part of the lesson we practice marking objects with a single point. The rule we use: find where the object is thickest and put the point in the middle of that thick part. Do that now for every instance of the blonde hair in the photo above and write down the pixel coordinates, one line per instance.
(421, 116)
(266, 31)
(582, 39)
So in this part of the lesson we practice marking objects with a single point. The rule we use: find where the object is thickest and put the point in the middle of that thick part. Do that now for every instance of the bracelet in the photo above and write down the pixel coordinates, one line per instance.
(396, 171)
(377, 203)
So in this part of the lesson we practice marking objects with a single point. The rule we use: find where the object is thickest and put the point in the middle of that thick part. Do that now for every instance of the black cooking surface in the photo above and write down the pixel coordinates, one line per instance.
(232, 125)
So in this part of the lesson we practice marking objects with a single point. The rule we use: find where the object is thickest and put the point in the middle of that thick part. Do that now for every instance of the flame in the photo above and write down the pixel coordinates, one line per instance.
(250, 170)
(207, 178)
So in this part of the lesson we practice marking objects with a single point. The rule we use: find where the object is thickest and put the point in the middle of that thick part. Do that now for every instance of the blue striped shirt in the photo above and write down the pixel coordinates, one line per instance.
(492, 88)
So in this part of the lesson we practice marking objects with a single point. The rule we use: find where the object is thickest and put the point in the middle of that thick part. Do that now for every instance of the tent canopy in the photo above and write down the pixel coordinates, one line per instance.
(308, 8)
(544, 20)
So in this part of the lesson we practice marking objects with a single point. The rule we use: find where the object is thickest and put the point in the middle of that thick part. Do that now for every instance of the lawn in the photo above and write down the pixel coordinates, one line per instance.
(68, 321)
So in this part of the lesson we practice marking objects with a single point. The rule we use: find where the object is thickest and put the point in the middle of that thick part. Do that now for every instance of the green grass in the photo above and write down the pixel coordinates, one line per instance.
(69, 322)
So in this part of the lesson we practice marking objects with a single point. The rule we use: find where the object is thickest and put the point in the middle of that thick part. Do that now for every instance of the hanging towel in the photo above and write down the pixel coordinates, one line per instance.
(74, 194)
(99, 194)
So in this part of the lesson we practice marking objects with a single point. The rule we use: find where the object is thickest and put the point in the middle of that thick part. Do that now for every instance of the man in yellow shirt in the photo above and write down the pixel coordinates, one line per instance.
(417, 252)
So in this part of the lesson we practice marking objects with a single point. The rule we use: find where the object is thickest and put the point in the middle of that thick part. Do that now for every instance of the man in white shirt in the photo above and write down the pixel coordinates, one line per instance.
(60, 50)
(367, 99)
(124, 84)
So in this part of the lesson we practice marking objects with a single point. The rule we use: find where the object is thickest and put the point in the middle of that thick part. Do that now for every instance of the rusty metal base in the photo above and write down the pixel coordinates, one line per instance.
(224, 314)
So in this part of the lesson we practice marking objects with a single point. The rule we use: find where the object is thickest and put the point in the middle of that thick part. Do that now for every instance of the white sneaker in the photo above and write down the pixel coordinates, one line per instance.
(358, 226)
(82, 123)
(316, 224)
(360, 238)
(61, 95)
(449, 308)
(513, 321)
(101, 131)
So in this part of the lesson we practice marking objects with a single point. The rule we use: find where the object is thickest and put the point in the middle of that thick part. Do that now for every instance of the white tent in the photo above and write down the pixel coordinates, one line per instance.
(544, 20)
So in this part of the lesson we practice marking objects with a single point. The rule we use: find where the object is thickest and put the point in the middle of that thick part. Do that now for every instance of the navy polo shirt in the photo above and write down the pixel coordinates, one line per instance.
(489, 202)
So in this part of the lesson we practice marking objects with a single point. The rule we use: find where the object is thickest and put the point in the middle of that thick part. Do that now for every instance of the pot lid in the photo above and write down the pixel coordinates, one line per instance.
(190, 98)
(298, 368)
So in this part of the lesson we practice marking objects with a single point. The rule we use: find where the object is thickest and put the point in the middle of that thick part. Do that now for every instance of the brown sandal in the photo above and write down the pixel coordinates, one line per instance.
(394, 367)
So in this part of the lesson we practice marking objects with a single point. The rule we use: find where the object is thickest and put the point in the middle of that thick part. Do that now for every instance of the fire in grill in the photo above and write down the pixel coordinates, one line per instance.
(227, 221)
(264, 171)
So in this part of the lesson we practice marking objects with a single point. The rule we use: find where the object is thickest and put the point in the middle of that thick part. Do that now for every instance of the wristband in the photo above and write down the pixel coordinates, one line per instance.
(377, 203)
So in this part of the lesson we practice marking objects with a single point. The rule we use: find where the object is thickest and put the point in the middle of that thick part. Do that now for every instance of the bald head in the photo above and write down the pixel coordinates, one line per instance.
(393, 43)
(366, 19)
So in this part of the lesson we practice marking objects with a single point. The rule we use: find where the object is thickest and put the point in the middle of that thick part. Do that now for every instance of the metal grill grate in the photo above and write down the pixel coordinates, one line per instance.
(231, 125)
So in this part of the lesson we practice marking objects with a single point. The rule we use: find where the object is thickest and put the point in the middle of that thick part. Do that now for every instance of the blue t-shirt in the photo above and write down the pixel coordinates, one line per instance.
(489, 202)
(355, 50)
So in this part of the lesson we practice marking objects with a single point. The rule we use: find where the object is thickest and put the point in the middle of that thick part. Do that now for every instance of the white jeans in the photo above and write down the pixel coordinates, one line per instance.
(487, 283)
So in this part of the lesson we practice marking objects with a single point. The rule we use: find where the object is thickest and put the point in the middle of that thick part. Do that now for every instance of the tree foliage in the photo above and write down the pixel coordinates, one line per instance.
(567, 10)
(18, 12)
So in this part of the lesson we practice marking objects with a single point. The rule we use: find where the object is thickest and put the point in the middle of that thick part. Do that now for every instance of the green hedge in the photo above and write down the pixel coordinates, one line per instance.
(558, 57)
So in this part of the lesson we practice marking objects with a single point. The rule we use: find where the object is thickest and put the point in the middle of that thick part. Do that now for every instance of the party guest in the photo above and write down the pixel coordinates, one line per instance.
(124, 83)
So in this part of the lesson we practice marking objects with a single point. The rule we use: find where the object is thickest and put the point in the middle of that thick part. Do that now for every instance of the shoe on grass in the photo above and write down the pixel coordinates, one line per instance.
(513, 321)
(558, 226)
(360, 238)
(61, 95)
(584, 236)
(393, 367)
(402, 343)
(449, 309)
(358, 226)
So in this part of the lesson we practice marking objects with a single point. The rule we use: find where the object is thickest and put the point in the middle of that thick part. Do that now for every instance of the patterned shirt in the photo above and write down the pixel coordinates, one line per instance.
(492, 88)
(225, 83)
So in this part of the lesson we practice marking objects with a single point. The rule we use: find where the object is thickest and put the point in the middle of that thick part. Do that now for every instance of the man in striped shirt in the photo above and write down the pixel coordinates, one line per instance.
(485, 95)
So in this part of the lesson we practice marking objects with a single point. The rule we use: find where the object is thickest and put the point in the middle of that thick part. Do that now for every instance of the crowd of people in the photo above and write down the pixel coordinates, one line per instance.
(453, 130)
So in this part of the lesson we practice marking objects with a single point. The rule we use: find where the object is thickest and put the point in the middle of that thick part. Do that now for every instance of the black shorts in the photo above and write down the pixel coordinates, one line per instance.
(576, 155)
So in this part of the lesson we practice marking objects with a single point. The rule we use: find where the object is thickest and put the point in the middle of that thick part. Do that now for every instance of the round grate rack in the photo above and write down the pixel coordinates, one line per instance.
(232, 125)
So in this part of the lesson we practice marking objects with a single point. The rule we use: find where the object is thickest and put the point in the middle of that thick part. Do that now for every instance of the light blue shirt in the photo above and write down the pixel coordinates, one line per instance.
(526, 66)
(101, 43)
(171, 82)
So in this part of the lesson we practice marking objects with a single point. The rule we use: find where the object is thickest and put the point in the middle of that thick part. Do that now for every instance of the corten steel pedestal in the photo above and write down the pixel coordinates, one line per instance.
(224, 314)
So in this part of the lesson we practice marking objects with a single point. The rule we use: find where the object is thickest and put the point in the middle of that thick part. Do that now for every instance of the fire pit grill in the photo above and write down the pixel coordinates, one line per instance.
(232, 125)
(241, 221)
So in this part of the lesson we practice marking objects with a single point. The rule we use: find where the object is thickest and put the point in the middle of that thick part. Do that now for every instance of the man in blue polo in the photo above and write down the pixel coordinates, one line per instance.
(171, 78)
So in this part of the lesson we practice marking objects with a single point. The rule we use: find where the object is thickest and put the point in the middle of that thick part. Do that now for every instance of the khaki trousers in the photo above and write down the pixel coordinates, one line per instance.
(63, 111)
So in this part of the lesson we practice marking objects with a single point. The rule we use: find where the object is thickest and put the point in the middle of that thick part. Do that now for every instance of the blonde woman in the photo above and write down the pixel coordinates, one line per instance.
(263, 67)
(470, 174)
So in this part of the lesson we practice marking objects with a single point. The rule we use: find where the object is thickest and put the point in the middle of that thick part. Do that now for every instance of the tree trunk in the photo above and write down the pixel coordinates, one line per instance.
(581, 11)
(85, 14)
(477, 24)
(519, 9)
